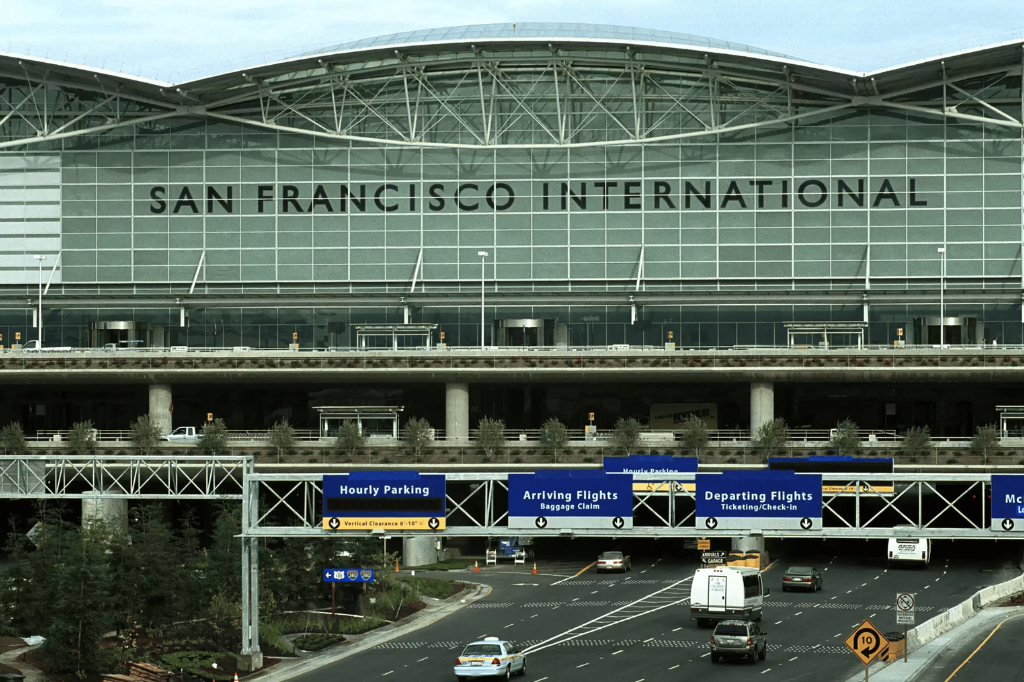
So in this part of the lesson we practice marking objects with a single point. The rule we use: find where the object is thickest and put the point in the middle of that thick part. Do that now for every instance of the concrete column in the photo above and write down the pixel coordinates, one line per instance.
(160, 407)
(456, 422)
(762, 405)
(112, 512)
(419, 550)
(751, 543)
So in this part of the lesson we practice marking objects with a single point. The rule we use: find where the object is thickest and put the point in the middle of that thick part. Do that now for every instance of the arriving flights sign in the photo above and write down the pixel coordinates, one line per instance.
(759, 499)
(653, 464)
(570, 499)
(392, 500)
(1008, 502)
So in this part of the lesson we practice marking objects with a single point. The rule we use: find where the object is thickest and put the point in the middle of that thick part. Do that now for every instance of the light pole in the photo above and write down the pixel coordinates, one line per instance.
(39, 314)
(483, 255)
(942, 296)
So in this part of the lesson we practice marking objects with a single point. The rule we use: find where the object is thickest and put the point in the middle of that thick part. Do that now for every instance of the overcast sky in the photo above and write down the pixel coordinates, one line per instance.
(181, 39)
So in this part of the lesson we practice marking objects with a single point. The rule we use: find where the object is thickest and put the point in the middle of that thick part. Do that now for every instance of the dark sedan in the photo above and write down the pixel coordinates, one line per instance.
(801, 578)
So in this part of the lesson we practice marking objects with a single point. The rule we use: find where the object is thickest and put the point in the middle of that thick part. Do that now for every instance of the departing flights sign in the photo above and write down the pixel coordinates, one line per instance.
(570, 499)
(1008, 502)
(391, 500)
(653, 464)
(758, 499)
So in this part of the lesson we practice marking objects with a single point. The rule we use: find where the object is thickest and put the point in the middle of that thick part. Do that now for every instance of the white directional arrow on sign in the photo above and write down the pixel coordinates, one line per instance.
(618, 522)
(711, 522)
(542, 522)
(806, 523)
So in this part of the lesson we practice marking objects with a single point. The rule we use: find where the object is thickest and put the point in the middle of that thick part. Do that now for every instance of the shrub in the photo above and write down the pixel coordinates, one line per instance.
(214, 438)
(554, 438)
(351, 440)
(845, 440)
(917, 441)
(13, 438)
(625, 437)
(145, 435)
(490, 436)
(82, 438)
(694, 434)
(193, 662)
(416, 435)
(317, 641)
(282, 437)
(986, 438)
(771, 437)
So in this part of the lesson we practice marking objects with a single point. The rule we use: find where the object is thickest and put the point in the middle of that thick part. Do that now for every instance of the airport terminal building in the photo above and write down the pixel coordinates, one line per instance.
(598, 185)
(623, 182)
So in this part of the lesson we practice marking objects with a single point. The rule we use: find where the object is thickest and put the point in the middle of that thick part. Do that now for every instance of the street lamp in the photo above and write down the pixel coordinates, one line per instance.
(483, 255)
(39, 318)
(942, 296)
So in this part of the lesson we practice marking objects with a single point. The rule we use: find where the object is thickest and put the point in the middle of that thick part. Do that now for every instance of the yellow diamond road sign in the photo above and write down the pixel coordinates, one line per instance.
(867, 642)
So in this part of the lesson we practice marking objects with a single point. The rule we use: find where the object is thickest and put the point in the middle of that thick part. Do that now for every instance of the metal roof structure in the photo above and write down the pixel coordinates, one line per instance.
(540, 85)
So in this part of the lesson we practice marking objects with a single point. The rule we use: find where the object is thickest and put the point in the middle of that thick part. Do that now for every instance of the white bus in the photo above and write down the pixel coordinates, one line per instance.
(905, 549)
(726, 593)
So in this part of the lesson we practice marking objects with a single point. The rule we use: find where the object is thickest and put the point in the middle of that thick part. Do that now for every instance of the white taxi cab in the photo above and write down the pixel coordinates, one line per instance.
(490, 657)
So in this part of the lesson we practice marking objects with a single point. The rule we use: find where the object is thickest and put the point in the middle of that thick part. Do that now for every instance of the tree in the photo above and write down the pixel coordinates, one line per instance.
(145, 435)
(417, 437)
(771, 437)
(917, 441)
(845, 440)
(350, 439)
(214, 438)
(985, 438)
(490, 435)
(282, 437)
(694, 434)
(82, 438)
(554, 438)
(13, 438)
(625, 437)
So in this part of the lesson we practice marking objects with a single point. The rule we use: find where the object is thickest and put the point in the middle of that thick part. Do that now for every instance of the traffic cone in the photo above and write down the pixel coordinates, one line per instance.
(476, 566)
(396, 564)
(236, 676)
(535, 568)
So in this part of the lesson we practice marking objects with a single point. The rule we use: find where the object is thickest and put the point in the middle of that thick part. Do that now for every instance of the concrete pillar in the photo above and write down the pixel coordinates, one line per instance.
(456, 422)
(160, 407)
(112, 512)
(419, 550)
(751, 543)
(762, 405)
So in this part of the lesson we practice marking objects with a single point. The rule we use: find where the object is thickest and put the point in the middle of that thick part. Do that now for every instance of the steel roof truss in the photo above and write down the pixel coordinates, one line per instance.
(952, 505)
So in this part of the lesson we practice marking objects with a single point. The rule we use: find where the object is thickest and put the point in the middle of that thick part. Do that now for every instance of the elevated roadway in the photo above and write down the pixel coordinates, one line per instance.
(658, 641)
(908, 364)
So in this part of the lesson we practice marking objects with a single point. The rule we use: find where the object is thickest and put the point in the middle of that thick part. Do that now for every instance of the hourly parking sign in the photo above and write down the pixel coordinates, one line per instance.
(653, 464)
(1008, 503)
(391, 500)
(570, 499)
(759, 499)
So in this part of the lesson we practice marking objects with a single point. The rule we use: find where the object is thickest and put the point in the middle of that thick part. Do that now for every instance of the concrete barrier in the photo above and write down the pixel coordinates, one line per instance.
(965, 610)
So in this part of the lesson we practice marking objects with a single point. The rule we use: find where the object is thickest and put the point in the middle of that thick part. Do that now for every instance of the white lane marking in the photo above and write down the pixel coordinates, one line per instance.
(778, 622)
(849, 591)
(792, 659)
(864, 585)
(534, 615)
(871, 616)
(877, 577)
(839, 635)
(813, 647)
(583, 665)
(831, 598)
(508, 626)
(798, 613)
(674, 667)
(643, 571)
(614, 654)
(927, 586)
(576, 599)
(707, 654)
(387, 673)
(595, 592)
(826, 568)
(765, 670)
(677, 630)
(648, 640)
(423, 659)
(936, 580)
(542, 679)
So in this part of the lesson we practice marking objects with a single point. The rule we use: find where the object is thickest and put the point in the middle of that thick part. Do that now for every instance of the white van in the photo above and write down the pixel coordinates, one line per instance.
(726, 593)
(909, 550)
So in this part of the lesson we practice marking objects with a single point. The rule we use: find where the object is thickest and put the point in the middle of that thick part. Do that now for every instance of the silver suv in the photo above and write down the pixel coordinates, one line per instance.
(739, 639)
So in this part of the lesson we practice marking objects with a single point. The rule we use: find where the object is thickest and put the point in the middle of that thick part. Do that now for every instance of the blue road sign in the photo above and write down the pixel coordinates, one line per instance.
(1008, 502)
(348, 575)
(758, 499)
(392, 500)
(570, 499)
(653, 464)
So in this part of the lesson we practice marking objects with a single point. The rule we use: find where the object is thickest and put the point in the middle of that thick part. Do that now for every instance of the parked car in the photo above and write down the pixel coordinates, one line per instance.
(801, 578)
(739, 639)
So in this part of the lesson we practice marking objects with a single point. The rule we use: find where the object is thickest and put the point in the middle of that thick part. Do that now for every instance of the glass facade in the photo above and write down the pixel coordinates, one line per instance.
(861, 199)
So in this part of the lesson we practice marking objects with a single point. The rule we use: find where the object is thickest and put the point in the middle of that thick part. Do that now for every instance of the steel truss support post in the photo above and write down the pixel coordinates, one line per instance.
(251, 656)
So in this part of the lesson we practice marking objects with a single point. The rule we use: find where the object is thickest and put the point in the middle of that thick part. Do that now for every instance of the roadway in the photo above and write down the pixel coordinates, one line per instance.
(632, 627)
(991, 653)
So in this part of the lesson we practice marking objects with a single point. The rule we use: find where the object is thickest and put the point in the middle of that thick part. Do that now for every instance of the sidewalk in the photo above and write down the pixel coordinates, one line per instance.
(31, 673)
(923, 657)
(434, 612)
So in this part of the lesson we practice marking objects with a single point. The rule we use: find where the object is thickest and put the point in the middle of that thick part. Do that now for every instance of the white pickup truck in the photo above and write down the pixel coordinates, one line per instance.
(181, 434)
(33, 345)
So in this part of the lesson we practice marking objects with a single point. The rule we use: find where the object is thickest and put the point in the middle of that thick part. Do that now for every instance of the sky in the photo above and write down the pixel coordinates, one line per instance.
(183, 39)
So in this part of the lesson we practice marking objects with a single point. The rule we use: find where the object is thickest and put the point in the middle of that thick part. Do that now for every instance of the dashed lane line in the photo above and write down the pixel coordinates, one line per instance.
(423, 659)
(765, 670)
(583, 665)
(792, 659)
(674, 667)
(779, 622)
(618, 652)
(677, 630)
